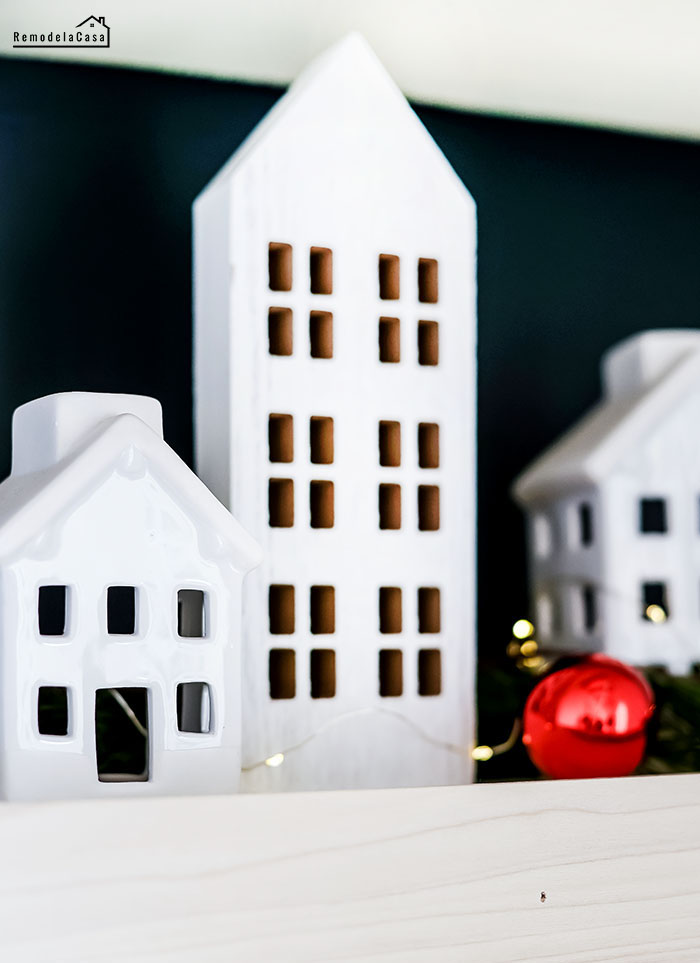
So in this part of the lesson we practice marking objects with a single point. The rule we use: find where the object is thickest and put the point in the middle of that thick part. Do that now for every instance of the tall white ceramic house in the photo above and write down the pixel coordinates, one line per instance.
(614, 512)
(120, 580)
(335, 409)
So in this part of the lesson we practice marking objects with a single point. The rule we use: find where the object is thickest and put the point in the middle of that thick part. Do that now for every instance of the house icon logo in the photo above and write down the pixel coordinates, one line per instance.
(90, 32)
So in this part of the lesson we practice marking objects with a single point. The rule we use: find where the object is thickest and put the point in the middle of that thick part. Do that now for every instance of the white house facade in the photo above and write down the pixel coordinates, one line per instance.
(613, 512)
(335, 415)
(120, 579)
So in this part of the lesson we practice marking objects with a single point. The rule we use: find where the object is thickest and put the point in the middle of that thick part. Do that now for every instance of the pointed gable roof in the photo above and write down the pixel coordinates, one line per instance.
(344, 83)
(31, 501)
(645, 378)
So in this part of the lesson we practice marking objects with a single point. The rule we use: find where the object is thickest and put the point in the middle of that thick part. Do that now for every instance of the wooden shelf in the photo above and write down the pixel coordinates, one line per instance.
(393, 875)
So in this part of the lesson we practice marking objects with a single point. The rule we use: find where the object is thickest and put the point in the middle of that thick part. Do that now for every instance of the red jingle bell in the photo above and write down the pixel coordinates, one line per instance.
(588, 720)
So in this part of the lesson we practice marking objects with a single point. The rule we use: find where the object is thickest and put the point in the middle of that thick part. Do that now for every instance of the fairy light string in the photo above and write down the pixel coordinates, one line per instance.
(523, 647)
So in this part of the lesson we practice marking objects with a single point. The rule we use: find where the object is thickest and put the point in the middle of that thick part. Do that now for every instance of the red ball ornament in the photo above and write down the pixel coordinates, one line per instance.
(588, 720)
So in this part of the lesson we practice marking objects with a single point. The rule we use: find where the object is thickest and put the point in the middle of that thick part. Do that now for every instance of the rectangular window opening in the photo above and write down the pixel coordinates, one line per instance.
(280, 266)
(52, 608)
(429, 672)
(585, 523)
(121, 610)
(321, 334)
(281, 609)
(121, 734)
(590, 614)
(282, 673)
(194, 711)
(545, 615)
(389, 272)
(652, 515)
(280, 331)
(542, 535)
(427, 280)
(428, 609)
(322, 670)
(191, 614)
(322, 504)
(52, 710)
(655, 602)
(390, 444)
(428, 445)
(390, 609)
(389, 506)
(390, 673)
(321, 270)
(280, 434)
(321, 440)
(322, 609)
(281, 502)
(428, 508)
(428, 351)
(389, 340)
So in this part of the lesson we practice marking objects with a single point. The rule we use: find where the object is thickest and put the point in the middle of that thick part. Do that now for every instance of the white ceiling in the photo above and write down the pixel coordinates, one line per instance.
(630, 64)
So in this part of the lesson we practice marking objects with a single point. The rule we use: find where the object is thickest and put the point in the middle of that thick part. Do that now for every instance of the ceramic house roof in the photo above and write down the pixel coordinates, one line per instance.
(345, 78)
(32, 501)
(645, 378)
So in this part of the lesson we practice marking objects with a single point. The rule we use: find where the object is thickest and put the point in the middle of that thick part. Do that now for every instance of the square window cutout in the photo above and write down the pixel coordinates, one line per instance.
(281, 609)
(390, 673)
(194, 711)
(52, 609)
(321, 270)
(192, 614)
(389, 277)
(652, 515)
(281, 502)
(427, 280)
(280, 437)
(322, 609)
(390, 609)
(280, 331)
(322, 670)
(321, 334)
(52, 710)
(280, 266)
(429, 672)
(428, 347)
(389, 340)
(121, 610)
(282, 673)
(389, 506)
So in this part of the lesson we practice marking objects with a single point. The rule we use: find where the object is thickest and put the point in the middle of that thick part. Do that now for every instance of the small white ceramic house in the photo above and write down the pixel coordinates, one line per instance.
(335, 415)
(614, 512)
(120, 580)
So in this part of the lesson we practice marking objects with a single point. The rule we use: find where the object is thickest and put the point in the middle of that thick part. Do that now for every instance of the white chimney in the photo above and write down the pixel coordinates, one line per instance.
(633, 366)
(46, 430)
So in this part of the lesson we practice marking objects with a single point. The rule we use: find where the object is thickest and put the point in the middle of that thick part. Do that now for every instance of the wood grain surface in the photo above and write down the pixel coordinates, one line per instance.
(572, 871)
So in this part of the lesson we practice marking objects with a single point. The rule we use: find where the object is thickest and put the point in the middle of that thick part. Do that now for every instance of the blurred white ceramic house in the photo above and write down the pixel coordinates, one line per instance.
(613, 512)
(335, 267)
(120, 578)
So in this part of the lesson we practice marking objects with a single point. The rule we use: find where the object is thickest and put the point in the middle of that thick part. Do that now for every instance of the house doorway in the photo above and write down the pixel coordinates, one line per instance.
(121, 734)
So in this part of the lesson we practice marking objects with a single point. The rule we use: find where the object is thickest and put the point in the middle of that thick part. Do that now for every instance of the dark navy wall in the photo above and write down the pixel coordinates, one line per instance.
(584, 238)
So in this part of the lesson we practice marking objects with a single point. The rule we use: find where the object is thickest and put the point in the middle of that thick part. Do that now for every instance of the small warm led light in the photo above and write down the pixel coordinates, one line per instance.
(523, 628)
(534, 662)
(274, 761)
(482, 753)
(655, 613)
(529, 648)
(513, 649)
